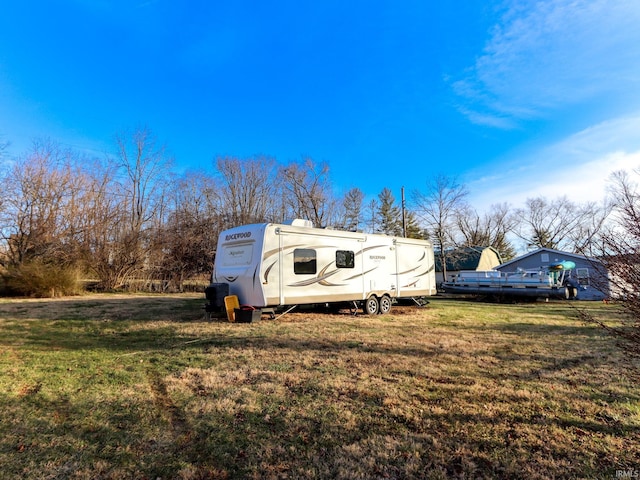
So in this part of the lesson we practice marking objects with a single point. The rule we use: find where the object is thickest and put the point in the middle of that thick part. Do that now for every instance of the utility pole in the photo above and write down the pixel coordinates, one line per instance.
(404, 218)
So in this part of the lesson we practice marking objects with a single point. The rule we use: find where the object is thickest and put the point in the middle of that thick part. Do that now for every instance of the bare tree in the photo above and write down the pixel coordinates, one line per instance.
(42, 193)
(111, 253)
(127, 200)
(594, 220)
(248, 189)
(488, 230)
(307, 191)
(554, 223)
(145, 166)
(40, 222)
(3, 148)
(616, 247)
(437, 207)
(3, 205)
(184, 244)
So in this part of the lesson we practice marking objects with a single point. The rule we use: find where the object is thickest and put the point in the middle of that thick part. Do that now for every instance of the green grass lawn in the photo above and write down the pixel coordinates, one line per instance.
(144, 387)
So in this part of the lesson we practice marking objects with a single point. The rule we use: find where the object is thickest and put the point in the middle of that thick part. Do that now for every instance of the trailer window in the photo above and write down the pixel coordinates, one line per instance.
(345, 259)
(304, 261)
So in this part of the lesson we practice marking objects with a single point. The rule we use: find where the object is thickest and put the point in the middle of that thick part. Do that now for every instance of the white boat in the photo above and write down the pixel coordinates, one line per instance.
(552, 281)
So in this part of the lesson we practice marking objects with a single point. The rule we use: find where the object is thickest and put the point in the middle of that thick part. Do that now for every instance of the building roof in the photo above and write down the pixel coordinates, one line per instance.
(551, 251)
(466, 258)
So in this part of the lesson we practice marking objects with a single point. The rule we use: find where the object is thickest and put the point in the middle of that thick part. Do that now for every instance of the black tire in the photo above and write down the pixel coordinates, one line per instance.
(371, 305)
(384, 305)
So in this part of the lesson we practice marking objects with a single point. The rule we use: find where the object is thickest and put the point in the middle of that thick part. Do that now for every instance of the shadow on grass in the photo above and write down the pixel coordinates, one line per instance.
(160, 438)
(110, 336)
(108, 308)
(76, 438)
(571, 328)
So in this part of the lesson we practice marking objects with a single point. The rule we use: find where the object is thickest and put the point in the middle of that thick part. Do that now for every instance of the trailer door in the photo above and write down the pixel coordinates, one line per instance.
(379, 266)
(414, 268)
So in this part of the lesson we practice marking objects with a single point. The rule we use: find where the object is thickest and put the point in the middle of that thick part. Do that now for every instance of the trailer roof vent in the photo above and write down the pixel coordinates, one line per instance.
(299, 222)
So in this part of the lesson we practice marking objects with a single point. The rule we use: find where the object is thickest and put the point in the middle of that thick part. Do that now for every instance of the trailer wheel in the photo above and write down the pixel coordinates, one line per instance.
(385, 304)
(371, 305)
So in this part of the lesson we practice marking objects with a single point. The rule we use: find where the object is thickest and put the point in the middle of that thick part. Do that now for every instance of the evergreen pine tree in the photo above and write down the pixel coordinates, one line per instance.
(412, 228)
(389, 214)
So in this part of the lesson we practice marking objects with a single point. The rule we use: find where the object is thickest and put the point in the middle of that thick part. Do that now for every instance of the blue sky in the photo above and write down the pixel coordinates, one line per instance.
(516, 98)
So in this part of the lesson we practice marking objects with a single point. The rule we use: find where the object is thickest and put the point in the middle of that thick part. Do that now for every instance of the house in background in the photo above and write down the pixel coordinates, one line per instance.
(588, 272)
(468, 258)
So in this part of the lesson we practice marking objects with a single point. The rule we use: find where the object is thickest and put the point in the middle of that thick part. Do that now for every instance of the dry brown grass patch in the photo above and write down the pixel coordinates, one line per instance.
(143, 386)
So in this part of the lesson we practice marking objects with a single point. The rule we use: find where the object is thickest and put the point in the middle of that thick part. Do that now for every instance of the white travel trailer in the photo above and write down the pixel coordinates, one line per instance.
(274, 265)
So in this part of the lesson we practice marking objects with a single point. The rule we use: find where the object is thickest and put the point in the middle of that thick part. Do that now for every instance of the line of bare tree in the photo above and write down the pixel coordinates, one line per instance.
(129, 219)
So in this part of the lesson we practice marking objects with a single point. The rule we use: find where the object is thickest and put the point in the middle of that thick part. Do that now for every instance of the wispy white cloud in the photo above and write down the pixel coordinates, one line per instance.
(578, 167)
(542, 55)
(488, 119)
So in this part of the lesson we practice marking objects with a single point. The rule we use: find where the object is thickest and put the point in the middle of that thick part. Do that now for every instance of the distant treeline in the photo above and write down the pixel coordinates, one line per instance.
(130, 221)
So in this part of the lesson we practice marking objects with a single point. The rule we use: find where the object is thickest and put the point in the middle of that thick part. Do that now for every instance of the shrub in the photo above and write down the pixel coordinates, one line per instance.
(39, 279)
